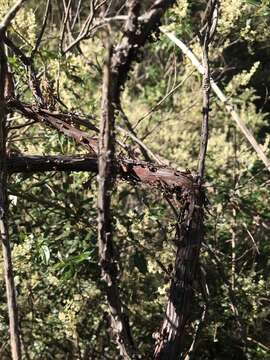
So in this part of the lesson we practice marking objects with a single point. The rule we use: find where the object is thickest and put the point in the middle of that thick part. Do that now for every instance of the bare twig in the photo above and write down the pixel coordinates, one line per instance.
(10, 15)
(77, 14)
(62, 33)
(157, 105)
(37, 44)
(150, 154)
(228, 106)
(205, 42)
(85, 30)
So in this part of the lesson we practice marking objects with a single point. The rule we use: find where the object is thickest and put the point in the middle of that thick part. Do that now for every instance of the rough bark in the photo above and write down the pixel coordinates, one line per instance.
(135, 36)
(107, 260)
(59, 121)
(127, 169)
(170, 336)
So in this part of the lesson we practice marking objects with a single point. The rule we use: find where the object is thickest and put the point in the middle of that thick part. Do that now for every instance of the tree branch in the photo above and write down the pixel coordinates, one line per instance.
(11, 15)
(205, 42)
(37, 44)
(4, 233)
(127, 169)
(228, 106)
(61, 122)
(106, 180)
(136, 34)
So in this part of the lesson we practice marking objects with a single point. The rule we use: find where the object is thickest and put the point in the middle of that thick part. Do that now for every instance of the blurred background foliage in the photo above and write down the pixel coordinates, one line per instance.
(53, 216)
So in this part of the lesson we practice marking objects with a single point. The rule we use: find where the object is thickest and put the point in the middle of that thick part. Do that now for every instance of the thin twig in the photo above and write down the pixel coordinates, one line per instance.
(86, 30)
(48, 6)
(142, 145)
(10, 15)
(157, 105)
(205, 42)
(62, 34)
(228, 106)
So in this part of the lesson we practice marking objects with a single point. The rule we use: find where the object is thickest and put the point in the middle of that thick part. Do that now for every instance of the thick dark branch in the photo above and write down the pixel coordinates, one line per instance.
(61, 122)
(126, 169)
(169, 339)
(135, 37)
(36, 163)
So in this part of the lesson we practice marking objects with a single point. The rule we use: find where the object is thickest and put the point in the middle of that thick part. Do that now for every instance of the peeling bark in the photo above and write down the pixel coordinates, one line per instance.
(126, 169)
(170, 336)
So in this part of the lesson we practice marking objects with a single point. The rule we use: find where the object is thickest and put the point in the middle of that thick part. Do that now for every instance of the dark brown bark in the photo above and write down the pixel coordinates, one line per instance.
(59, 121)
(8, 271)
(170, 336)
(107, 260)
(134, 38)
(127, 169)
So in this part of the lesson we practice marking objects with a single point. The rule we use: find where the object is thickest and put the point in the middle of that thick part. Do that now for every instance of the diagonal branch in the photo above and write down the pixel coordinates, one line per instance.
(37, 44)
(228, 106)
(136, 34)
(11, 15)
(59, 121)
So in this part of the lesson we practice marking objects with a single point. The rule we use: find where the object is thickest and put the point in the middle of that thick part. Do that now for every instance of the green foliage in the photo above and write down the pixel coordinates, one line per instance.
(53, 216)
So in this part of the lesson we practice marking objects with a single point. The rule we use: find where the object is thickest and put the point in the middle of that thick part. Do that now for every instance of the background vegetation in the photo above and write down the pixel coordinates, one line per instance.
(62, 309)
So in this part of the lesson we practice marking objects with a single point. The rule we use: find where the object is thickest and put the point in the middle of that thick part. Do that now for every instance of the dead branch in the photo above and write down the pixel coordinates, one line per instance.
(169, 337)
(61, 122)
(135, 35)
(127, 169)
(227, 104)
(86, 28)
(11, 15)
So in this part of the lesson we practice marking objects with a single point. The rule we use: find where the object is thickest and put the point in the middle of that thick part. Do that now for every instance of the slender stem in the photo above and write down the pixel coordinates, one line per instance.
(8, 271)
(209, 26)
(206, 105)
(229, 107)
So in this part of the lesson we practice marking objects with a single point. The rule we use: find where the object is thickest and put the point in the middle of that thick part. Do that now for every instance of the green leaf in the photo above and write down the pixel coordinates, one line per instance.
(45, 254)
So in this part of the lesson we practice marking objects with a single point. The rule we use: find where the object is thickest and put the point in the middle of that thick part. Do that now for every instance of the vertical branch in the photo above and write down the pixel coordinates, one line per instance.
(6, 91)
(107, 174)
(169, 338)
(9, 279)
(208, 29)
(233, 242)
